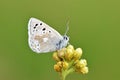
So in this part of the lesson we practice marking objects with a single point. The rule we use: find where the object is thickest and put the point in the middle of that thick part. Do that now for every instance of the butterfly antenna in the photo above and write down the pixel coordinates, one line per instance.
(67, 26)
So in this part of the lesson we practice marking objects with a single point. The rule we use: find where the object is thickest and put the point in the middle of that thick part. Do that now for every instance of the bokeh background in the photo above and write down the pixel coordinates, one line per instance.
(94, 26)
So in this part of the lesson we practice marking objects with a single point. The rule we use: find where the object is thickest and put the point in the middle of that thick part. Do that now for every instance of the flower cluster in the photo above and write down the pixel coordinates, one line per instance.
(68, 61)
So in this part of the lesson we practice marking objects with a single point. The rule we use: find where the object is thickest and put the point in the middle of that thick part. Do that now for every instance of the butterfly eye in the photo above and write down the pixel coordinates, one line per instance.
(65, 38)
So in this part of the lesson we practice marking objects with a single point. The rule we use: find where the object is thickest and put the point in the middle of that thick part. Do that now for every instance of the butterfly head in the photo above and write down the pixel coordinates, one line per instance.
(65, 40)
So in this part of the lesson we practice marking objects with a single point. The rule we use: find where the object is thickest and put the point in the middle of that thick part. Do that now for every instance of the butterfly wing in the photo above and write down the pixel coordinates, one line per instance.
(42, 38)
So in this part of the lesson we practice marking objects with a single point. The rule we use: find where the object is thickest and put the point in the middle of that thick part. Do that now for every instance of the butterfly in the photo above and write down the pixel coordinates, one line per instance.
(42, 38)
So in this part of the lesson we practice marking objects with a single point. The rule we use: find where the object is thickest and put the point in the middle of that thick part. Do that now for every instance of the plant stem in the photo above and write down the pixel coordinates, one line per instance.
(63, 75)
(66, 72)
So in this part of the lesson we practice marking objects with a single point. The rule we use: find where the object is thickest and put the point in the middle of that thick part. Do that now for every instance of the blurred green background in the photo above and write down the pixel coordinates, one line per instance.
(94, 26)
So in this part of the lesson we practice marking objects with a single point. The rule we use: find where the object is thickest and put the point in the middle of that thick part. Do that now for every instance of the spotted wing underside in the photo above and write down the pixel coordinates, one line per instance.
(42, 38)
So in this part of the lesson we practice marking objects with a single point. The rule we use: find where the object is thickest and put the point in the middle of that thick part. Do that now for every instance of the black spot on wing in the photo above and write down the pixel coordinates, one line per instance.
(35, 26)
(40, 23)
(49, 31)
(44, 29)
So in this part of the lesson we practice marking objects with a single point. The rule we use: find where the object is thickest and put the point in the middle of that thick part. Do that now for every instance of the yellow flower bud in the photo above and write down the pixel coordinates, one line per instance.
(79, 50)
(65, 65)
(70, 47)
(68, 54)
(83, 63)
(69, 51)
(84, 70)
(59, 64)
(61, 52)
(63, 49)
(75, 62)
(57, 68)
(55, 56)
(68, 60)
(77, 53)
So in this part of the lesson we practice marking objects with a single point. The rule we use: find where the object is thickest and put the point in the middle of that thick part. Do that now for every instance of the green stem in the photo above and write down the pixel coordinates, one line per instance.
(71, 64)
(63, 75)
(66, 72)
(69, 70)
